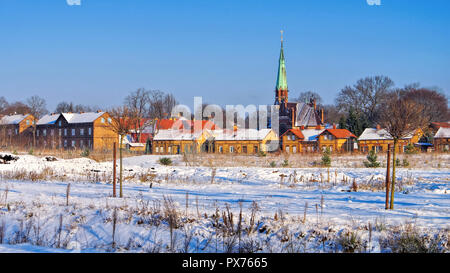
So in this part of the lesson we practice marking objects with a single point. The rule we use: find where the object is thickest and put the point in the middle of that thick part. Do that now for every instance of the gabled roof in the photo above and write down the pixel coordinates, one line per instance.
(306, 115)
(13, 119)
(178, 135)
(48, 119)
(443, 132)
(296, 132)
(241, 134)
(340, 133)
(82, 117)
(311, 134)
(381, 134)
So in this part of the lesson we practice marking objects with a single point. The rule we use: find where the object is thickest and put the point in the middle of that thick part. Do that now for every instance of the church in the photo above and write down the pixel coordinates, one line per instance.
(294, 115)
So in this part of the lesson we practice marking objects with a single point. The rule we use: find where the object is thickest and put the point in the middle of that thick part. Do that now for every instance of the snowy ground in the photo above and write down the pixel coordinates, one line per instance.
(34, 216)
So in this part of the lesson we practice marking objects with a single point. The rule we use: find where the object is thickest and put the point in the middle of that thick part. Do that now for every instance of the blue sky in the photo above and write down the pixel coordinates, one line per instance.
(224, 51)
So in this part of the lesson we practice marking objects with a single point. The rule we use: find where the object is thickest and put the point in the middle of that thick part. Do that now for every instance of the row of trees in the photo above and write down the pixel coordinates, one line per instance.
(361, 105)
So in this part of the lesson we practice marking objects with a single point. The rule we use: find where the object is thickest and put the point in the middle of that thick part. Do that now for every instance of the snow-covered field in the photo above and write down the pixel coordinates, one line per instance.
(182, 208)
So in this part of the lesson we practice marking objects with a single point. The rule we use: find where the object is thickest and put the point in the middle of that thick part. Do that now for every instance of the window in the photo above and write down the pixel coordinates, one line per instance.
(44, 132)
(287, 149)
(220, 149)
(231, 149)
(82, 132)
(244, 149)
(60, 132)
(17, 132)
(169, 150)
(65, 132)
(89, 143)
(89, 131)
(162, 149)
(294, 149)
(73, 132)
(73, 143)
(81, 144)
(28, 122)
(65, 142)
(103, 120)
(255, 149)
(109, 120)
(59, 123)
(156, 149)
(37, 132)
(52, 132)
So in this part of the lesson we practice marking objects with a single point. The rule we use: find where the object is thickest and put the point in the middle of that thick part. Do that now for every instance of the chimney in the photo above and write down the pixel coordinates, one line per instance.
(378, 127)
(293, 118)
(334, 125)
(322, 116)
(314, 103)
(302, 127)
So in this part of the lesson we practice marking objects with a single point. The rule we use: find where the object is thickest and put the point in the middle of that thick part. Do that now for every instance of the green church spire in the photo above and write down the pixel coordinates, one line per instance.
(281, 78)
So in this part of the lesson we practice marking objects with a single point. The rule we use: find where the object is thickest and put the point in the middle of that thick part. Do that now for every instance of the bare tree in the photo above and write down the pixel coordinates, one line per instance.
(308, 96)
(400, 117)
(3, 104)
(366, 96)
(17, 108)
(38, 109)
(138, 102)
(161, 104)
(435, 104)
(122, 122)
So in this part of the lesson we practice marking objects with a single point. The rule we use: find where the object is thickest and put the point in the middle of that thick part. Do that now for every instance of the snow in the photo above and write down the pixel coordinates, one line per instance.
(13, 119)
(423, 197)
(82, 117)
(48, 119)
(443, 132)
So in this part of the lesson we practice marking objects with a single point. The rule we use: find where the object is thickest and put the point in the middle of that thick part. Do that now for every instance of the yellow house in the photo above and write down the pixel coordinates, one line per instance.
(179, 141)
(337, 140)
(244, 141)
(377, 139)
(301, 140)
(17, 129)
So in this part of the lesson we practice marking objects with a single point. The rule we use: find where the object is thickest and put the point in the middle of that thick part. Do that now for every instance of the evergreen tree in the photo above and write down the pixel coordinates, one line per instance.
(372, 160)
(326, 159)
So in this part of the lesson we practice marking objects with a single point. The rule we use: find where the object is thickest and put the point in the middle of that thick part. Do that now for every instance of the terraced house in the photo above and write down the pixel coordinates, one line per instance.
(377, 139)
(76, 131)
(17, 130)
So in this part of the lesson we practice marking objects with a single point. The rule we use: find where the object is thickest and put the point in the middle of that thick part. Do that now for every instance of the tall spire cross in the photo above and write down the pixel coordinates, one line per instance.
(281, 35)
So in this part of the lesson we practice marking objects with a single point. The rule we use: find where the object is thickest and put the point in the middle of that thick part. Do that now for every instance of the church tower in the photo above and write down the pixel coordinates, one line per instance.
(281, 89)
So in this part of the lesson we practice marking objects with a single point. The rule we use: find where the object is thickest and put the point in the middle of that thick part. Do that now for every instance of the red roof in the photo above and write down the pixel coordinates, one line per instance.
(296, 132)
(340, 133)
(441, 124)
(166, 124)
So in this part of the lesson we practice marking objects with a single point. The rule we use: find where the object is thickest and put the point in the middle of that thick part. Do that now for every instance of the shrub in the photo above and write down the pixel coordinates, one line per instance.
(410, 149)
(405, 162)
(30, 151)
(273, 164)
(165, 161)
(326, 159)
(350, 242)
(397, 162)
(85, 153)
(285, 163)
(262, 153)
(372, 160)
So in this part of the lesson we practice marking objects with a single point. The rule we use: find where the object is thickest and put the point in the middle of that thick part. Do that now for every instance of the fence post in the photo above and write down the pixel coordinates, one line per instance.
(114, 169)
(388, 168)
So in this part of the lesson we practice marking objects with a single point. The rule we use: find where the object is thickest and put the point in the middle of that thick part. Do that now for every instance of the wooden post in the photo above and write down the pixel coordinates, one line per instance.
(388, 167)
(114, 169)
